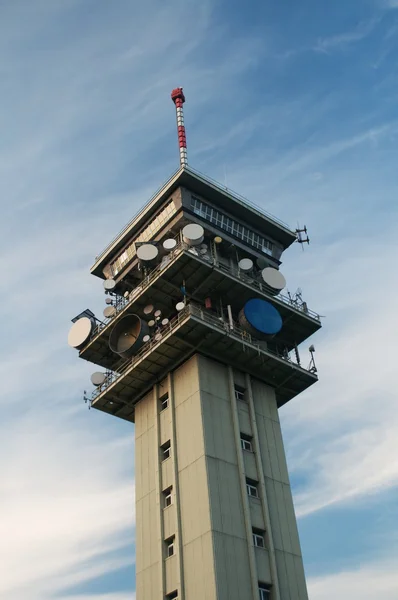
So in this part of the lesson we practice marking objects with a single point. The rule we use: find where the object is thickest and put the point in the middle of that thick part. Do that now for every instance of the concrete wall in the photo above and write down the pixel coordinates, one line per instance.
(212, 516)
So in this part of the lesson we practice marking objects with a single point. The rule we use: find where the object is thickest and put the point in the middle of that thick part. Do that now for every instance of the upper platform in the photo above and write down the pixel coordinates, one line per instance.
(222, 198)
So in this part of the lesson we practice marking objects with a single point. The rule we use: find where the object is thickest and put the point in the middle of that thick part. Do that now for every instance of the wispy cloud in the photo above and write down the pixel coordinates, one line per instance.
(342, 41)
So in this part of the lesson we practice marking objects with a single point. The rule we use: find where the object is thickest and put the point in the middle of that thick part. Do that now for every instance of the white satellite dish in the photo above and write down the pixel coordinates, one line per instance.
(273, 279)
(147, 252)
(157, 314)
(146, 338)
(246, 264)
(151, 323)
(98, 378)
(169, 244)
(109, 312)
(109, 284)
(165, 322)
(148, 309)
(180, 306)
(80, 332)
(193, 234)
(108, 301)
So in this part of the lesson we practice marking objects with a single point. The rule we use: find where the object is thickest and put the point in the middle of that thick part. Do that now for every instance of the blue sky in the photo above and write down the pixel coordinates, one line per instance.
(293, 105)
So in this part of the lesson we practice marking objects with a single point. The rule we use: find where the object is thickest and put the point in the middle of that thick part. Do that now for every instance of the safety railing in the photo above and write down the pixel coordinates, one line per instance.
(123, 303)
(206, 316)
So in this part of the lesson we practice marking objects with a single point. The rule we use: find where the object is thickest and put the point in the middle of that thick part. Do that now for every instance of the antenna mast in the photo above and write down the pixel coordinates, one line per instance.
(178, 98)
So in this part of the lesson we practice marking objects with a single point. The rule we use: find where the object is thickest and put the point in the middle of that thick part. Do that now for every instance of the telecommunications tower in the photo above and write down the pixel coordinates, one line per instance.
(199, 347)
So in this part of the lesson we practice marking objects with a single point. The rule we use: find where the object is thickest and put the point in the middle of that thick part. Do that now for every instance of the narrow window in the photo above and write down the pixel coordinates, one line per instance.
(172, 596)
(169, 547)
(167, 497)
(239, 393)
(164, 401)
(259, 538)
(264, 591)
(252, 488)
(166, 450)
(246, 442)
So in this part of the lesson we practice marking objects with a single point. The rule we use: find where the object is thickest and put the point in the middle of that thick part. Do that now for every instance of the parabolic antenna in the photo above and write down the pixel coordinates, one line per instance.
(98, 378)
(217, 239)
(165, 322)
(151, 323)
(109, 284)
(260, 318)
(109, 312)
(127, 336)
(273, 279)
(80, 332)
(246, 264)
(169, 244)
(157, 314)
(148, 309)
(108, 300)
(146, 338)
(147, 252)
(193, 234)
(180, 306)
(262, 262)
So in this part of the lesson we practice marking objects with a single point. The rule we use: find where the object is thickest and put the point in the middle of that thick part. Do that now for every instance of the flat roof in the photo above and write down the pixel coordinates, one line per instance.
(209, 189)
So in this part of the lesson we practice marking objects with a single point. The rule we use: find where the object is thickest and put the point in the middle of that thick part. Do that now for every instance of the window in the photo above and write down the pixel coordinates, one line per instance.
(259, 538)
(170, 547)
(239, 393)
(246, 442)
(167, 497)
(237, 229)
(251, 487)
(154, 226)
(264, 591)
(172, 596)
(164, 401)
(166, 450)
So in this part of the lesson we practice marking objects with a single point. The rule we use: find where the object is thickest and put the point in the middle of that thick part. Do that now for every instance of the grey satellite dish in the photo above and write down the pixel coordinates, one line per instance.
(165, 322)
(273, 279)
(108, 301)
(180, 306)
(169, 244)
(193, 234)
(148, 309)
(151, 323)
(147, 252)
(203, 250)
(127, 336)
(146, 338)
(109, 312)
(109, 284)
(262, 263)
(246, 264)
(98, 378)
(80, 332)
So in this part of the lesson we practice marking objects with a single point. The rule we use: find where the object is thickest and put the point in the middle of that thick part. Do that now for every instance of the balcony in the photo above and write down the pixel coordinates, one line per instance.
(203, 277)
(193, 330)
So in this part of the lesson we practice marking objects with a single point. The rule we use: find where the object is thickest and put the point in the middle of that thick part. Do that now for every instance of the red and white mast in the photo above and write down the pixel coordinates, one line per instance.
(178, 98)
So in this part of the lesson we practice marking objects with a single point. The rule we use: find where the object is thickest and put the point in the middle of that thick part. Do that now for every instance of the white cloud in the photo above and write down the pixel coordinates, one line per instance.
(368, 581)
(343, 40)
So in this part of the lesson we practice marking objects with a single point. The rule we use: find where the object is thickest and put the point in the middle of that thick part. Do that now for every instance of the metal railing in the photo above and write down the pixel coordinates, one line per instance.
(123, 303)
(204, 315)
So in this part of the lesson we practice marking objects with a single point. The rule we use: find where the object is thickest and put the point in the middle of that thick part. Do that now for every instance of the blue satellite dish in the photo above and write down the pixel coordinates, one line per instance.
(261, 316)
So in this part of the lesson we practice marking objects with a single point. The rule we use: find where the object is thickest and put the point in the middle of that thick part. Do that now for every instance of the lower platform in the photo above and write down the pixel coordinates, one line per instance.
(194, 330)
